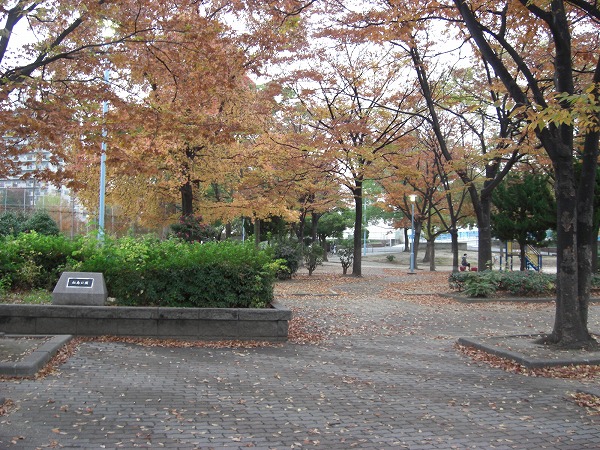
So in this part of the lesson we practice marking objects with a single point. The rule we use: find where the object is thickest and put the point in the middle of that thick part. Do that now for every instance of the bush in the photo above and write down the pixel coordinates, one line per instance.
(313, 256)
(11, 224)
(290, 252)
(457, 280)
(149, 272)
(34, 261)
(41, 223)
(527, 283)
(346, 254)
(193, 229)
(483, 284)
(595, 281)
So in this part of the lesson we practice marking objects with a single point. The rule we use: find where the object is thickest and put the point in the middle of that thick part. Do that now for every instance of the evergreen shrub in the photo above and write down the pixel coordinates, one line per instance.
(34, 261)
(150, 272)
(527, 283)
(481, 284)
(290, 252)
(313, 256)
(486, 283)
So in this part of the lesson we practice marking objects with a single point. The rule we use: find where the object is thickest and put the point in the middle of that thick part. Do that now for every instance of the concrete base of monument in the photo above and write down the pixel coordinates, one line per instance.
(269, 324)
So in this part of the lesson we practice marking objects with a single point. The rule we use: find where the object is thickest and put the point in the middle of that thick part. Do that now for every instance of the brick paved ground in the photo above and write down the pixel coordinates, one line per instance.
(387, 377)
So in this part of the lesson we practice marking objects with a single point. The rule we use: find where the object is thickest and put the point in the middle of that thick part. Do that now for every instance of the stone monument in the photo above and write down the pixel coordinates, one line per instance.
(80, 288)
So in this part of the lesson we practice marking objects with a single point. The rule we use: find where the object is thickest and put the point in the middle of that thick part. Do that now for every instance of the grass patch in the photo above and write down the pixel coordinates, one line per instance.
(34, 297)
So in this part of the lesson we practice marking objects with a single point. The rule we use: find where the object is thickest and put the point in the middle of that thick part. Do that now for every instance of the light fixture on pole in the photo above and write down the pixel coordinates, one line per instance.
(413, 199)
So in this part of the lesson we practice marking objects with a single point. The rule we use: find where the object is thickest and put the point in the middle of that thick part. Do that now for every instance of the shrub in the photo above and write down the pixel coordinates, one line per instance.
(149, 272)
(11, 224)
(193, 229)
(480, 284)
(527, 283)
(290, 252)
(34, 261)
(346, 254)
(313, 256)
(390, 258)
(41, 223)
(595, 281)
(457, 280)
(483, 284)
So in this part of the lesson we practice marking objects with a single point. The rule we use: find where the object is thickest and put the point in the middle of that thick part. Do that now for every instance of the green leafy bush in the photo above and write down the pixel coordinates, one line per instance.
(193, 229)
(457, 280)
(313, 256)
(481, 284)
(42, 223)
(34, 261)
(290, 252)
(149, 272)
(11, 224)
(527, 283)
(595, 281)
(346, 254)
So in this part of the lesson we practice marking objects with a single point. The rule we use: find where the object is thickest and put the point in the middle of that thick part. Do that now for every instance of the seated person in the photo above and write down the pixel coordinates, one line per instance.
(464, 263)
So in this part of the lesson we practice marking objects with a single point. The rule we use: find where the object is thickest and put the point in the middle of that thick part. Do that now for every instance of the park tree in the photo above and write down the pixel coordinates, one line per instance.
(450, 81)
(557, 97)
(50, 54)
(440, 192)
(333, 224)
(341, 93)
(55, 57)
(524, 210)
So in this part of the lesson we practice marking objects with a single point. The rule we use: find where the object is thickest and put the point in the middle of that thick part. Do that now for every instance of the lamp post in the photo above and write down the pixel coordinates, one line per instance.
(412, 199)
(364, 226)
(101, 207)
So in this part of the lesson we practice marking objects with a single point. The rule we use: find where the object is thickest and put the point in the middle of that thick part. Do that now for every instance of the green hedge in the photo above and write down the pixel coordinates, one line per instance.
(486, 283)
(150, 272)
(145, 271)
(34, 261)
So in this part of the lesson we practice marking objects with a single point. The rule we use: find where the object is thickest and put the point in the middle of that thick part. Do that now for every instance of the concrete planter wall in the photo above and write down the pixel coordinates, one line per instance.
(180, 323)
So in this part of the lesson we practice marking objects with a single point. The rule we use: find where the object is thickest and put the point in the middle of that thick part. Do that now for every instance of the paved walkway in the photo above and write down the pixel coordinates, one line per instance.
(387, 377)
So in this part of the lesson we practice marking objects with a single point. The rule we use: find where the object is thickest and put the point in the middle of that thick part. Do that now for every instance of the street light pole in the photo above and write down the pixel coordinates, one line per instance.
(101, 207)
(412, 198)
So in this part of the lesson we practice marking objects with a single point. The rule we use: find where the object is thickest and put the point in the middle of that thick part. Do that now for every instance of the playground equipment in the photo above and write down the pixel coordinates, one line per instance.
(533, 257)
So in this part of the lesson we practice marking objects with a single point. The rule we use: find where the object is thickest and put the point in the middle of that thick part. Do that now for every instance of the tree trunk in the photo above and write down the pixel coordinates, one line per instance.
(187, 199)
(595, 250)
(314, 225)
(418, 228)
(431, 252)
(484, 250)
(406, 241)
(256, 232)
(357, 261)
(587, 237)
(427, 255)
(570, 322)
(454, 240)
